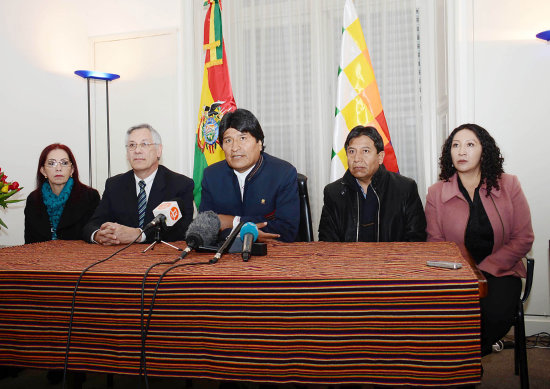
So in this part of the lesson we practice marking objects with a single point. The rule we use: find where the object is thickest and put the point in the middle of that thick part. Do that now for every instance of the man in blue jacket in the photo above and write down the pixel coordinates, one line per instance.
(251, 185)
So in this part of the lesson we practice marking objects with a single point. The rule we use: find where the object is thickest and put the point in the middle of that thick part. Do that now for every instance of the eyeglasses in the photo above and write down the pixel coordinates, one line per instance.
(52, 163)
(144, 145)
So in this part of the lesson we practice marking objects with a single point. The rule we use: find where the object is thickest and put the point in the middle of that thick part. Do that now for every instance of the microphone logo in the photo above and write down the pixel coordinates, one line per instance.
(170, 210)
(174, 213)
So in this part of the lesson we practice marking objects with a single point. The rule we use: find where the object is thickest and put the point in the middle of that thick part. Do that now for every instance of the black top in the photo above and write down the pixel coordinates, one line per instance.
(79, 207)
(479, 236)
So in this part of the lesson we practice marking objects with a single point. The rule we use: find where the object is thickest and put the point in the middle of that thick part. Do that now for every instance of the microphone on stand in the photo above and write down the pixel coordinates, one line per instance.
(166, 214)
(158, 221)
(249, 234)
(202, 230)
(171, 212)
(223, 248)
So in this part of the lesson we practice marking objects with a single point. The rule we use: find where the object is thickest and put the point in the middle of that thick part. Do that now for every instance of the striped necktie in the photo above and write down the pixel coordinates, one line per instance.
(142, 203)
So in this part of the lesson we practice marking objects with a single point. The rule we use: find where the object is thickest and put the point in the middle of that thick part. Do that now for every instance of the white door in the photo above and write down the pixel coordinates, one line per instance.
(146, 92)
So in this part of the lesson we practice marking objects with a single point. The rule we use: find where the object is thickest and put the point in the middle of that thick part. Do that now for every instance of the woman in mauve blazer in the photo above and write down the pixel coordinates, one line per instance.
(485, 212)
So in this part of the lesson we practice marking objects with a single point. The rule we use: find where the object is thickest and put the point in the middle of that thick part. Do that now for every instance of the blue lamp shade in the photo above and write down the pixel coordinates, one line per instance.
(96, 75)
(544, 35)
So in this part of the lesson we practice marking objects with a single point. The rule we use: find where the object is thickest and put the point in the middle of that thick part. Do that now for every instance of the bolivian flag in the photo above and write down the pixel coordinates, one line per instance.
(216, 96)
(358, 101)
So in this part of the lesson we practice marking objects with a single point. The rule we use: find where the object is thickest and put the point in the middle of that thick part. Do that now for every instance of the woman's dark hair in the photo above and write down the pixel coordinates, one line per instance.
(491, 159)
(369, 131)
(242, 120)
(40, 179)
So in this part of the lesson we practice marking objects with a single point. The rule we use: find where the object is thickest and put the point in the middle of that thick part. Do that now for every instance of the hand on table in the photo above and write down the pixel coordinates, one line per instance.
(114, 233)
(264, 236)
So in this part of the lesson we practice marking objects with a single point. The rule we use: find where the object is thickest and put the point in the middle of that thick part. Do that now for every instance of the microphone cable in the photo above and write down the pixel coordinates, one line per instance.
(145, 330)
(74, 300)
(141, 311)
(204, 228)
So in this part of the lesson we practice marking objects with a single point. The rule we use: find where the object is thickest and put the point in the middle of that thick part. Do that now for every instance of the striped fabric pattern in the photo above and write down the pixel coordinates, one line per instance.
(306, 313)
(142, 203)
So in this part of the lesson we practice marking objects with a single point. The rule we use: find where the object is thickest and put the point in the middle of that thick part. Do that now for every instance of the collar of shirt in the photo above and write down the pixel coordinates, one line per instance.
(148, 183)
(362, 190)
(241, 177)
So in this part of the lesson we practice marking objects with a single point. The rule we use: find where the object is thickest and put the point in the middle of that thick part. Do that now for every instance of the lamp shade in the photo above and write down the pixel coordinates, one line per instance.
(96, 75)
(544, 35)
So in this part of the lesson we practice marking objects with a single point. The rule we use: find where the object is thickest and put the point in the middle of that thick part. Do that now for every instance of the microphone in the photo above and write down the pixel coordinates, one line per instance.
(158, 221)
(202, 230)
(249, 234)
(166, 214)
(227, 243)
(170, 210)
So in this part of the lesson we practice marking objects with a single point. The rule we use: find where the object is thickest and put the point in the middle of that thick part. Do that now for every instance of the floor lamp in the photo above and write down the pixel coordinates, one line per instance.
(90, 74)
(545, 35)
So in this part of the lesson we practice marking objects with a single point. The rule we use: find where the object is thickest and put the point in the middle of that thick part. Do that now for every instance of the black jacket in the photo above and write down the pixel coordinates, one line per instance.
(400, 212)
(119, 203)
(79, 207)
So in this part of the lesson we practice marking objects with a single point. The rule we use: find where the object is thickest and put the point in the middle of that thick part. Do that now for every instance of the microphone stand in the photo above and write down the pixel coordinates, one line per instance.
(158, 240)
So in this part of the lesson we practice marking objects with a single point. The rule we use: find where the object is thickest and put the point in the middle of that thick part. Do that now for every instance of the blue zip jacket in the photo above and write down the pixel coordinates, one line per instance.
(270, 195)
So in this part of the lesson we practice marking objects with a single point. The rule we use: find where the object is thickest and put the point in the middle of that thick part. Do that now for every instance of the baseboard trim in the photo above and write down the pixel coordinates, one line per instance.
(536, 324)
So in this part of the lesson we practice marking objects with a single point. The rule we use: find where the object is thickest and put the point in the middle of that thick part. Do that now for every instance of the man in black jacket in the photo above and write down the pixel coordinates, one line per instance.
(369, 203)
(129, 198)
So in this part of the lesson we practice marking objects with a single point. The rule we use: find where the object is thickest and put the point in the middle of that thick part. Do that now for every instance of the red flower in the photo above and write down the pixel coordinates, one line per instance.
(3, 179)
(14, 185)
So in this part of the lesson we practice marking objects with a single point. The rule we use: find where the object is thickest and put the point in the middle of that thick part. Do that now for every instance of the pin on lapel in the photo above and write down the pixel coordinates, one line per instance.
(263, 202)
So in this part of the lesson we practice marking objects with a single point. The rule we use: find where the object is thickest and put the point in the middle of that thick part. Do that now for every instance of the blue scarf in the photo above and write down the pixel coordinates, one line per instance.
(55, 204)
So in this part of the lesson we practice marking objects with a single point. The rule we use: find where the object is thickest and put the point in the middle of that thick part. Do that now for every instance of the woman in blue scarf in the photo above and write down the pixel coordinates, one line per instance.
(61, 205)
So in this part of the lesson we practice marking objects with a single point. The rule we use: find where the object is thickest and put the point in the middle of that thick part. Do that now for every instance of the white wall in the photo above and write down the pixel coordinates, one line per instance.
(510, 75)
(42, 101)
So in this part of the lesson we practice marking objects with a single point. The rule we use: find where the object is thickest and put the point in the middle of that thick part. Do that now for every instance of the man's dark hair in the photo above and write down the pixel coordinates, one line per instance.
(369, 131)
(241, 120)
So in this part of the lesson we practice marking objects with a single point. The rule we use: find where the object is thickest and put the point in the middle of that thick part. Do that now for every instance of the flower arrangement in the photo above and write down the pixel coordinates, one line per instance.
(7, 189)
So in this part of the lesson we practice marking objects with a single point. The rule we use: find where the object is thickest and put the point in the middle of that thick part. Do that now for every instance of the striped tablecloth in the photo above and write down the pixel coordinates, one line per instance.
(305, 313)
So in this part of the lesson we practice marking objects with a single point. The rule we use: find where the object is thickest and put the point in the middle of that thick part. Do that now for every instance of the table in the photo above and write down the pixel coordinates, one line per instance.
(327, 313)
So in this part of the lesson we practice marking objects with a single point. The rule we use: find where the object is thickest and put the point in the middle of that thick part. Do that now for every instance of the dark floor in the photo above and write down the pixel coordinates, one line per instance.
(498, 373)
(499, 370)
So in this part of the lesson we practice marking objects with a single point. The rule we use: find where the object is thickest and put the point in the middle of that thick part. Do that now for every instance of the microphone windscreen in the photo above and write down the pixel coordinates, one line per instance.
(249, 228)
(206, 226)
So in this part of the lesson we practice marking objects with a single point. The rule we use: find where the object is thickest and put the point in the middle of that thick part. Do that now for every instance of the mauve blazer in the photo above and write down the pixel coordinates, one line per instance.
(447, 213)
